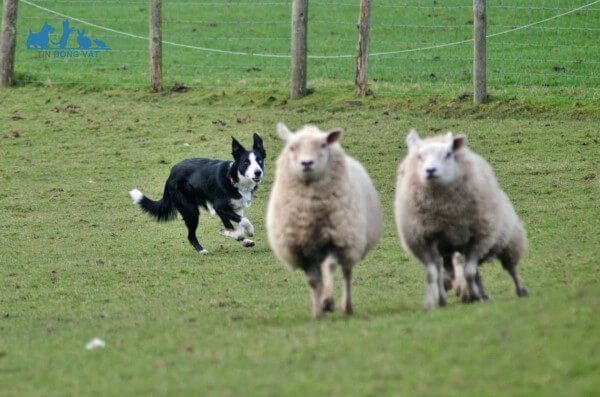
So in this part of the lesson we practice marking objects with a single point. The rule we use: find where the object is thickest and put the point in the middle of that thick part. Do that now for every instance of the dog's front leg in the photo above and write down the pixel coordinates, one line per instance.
(238, 233)
(247, 226)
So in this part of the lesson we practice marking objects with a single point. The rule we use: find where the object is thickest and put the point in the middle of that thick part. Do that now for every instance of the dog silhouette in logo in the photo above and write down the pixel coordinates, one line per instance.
(101, 44)
(67, 30)
(83, 41)
(40, 39)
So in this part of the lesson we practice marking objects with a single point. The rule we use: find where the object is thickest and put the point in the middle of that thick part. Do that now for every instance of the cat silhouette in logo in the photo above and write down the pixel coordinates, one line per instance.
(40, 39)
(83, 41)
(67, 30)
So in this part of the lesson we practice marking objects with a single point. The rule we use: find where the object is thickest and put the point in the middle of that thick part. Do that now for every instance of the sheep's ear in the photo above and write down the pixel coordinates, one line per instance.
(333, 136)
(458, 142)
(413, 141)
(236, 148)
(258, 145)
(283, 131)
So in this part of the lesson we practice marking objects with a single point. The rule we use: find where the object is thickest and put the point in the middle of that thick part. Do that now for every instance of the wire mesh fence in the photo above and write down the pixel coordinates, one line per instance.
(547, 48)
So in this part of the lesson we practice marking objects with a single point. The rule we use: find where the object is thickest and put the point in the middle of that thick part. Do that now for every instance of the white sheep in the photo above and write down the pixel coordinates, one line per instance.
(447, 202)
(323, 211)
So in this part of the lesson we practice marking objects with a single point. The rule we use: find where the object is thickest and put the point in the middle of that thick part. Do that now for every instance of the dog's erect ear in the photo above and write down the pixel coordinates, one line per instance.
(236, 148)
(258, 146)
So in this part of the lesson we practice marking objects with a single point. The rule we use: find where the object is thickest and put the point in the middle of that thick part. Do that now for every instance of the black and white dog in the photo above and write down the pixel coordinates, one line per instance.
(225, 188)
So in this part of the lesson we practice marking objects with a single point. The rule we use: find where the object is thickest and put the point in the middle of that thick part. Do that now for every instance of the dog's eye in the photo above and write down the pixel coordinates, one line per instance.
(247, 162)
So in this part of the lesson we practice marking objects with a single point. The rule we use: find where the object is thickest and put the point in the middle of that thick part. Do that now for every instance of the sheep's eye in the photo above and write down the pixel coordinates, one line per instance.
(323, 145)
(449, 154)
(292, 148)
(420, 157)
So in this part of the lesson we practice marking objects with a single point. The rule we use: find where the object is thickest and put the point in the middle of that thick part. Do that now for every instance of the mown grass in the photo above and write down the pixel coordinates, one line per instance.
(79, 260)
(556, 60)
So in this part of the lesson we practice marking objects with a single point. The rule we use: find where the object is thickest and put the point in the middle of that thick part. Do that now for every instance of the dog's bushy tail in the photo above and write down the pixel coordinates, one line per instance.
(163, 210)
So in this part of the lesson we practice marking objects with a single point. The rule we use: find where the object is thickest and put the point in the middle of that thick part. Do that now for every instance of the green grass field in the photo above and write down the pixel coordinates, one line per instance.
(79, 260)
(557, 60)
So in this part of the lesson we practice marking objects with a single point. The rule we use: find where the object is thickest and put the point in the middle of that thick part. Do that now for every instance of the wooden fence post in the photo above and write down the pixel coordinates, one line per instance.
(362, 48)
(299, 30)
(479, 57)
(155, 46)
(8, 41)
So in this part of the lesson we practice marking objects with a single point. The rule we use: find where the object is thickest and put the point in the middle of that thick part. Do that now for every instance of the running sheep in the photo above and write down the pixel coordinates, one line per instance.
(323, 211)
(448, 202)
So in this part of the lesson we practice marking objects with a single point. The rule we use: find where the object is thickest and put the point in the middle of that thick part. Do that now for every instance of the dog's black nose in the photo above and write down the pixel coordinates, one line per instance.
(257, 173)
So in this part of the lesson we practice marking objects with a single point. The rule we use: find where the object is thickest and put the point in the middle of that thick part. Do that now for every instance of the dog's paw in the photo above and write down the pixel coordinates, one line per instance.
(229, 233)
(247, 243)
(247, 226)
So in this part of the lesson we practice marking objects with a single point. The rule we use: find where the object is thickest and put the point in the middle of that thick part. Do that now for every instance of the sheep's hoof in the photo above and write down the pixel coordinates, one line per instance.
(442, 301)
(460, 288)
(522, 292)
(447, 284)
(328, 305)
(347, 309)
(428, 305)
(247, 243)
(204, 251)
(465, 297)
(470, 298)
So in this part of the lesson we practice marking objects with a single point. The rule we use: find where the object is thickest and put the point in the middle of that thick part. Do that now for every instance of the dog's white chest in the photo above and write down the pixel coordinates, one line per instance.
(245, 189)
(242, 203)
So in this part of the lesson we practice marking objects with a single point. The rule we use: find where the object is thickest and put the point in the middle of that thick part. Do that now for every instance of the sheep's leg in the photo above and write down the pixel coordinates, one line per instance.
(459, 283)
(484, 294)
(472, 291)
(432, 292)
(346, 295)
(511, 268)
(441, 289)
(316, 288)
(448, 273)
(328, 270)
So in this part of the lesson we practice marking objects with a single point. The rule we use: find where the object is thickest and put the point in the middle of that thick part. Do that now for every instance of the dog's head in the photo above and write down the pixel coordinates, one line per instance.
(250, 163)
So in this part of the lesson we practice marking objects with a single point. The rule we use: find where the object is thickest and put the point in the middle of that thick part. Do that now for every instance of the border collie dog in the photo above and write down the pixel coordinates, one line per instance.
(224, 188)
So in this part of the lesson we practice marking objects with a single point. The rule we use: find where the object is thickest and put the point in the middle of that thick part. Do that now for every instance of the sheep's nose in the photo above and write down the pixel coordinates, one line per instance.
(431, 171)
(307, 163)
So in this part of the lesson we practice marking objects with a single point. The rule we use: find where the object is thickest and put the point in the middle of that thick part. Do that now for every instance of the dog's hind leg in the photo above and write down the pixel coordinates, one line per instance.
(190, 215)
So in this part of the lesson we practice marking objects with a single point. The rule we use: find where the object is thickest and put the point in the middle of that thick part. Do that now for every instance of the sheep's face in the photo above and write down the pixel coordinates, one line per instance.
(436, 163)
(308, 150)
